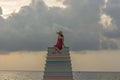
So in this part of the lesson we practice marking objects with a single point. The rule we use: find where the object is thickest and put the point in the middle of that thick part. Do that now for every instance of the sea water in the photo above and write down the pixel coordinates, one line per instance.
(21, 75)
(96, 75)
(38, 75)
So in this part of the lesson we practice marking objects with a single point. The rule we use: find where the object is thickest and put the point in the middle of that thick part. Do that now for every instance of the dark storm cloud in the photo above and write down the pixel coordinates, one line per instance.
(34, 28)
(112, 34)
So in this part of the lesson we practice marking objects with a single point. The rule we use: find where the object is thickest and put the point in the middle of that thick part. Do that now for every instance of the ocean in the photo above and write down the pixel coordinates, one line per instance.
(38, 75)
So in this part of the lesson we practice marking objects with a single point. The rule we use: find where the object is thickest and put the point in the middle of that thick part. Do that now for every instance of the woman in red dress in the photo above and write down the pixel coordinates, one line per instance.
(60, 42)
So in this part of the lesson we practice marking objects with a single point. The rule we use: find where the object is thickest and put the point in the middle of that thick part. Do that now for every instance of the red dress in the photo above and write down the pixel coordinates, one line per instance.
(59, 43)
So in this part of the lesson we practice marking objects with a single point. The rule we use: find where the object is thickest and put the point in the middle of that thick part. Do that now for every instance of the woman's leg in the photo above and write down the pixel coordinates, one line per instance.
(56, 50)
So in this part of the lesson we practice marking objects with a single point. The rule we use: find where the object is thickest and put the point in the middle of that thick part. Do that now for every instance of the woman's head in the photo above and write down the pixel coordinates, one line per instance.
(60, 33)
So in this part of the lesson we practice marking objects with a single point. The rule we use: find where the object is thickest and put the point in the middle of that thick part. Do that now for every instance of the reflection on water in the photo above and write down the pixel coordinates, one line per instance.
(35, 75)
(96, 75)
(20, 75)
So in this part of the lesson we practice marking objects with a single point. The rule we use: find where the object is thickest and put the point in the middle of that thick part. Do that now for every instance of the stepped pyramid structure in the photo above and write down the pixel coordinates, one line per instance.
(58, 66)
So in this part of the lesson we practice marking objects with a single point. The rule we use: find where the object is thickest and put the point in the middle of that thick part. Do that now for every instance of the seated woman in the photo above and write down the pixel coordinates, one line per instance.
(60, 42)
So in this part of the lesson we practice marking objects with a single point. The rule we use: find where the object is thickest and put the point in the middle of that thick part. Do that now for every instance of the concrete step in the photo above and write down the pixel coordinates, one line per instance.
(64, 50)
(58, 74)
(58, 62)
(58, 65)
(57, 55)
(58, 77)
(58, 59)
(58, 69)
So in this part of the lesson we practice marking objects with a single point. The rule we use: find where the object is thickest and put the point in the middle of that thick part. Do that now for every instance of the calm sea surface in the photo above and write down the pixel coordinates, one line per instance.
(36, 75)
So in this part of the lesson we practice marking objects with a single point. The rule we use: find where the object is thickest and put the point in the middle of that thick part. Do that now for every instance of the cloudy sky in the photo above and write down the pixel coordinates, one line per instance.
(31, 25)
(86, 24)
